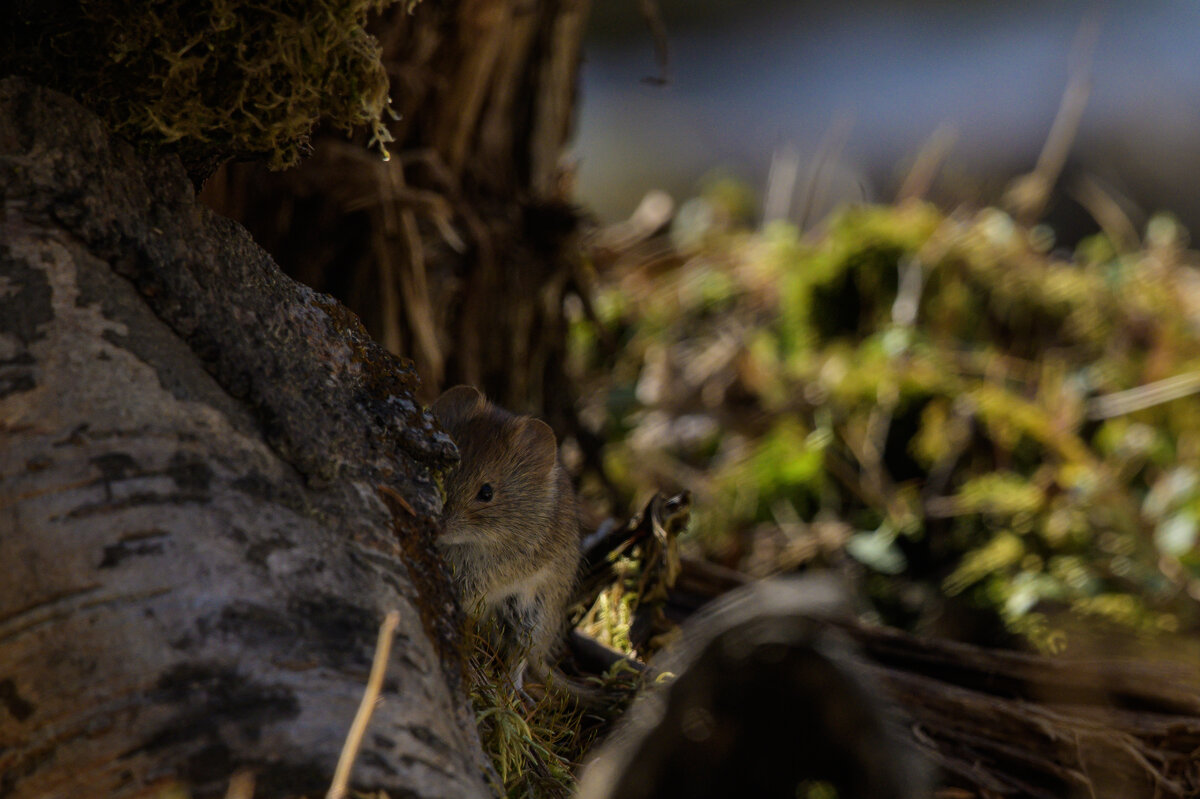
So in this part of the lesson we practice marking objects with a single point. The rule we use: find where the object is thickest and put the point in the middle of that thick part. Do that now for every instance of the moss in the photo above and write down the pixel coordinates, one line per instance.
(210, 79)
(941, 398)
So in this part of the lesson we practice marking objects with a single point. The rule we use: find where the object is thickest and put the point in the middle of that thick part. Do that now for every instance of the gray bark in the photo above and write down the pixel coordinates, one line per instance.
(199, 529)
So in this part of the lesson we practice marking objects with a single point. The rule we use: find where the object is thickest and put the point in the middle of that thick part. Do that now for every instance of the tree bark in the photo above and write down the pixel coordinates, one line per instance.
(213, 485)
(1003, 723)
(1000, 723)
(459, 250)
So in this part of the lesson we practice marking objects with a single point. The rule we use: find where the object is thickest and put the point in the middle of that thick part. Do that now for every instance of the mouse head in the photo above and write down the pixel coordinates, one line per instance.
(505, 483)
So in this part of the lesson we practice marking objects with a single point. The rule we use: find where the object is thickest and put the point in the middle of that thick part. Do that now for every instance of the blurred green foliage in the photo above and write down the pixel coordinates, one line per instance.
(940, 403)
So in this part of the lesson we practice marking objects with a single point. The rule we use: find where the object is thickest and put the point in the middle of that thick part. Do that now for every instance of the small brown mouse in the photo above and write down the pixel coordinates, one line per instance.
(510, 526)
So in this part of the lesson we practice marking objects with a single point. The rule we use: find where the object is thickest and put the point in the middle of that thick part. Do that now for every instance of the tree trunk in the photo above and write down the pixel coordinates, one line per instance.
(458, 251)
(213, 485)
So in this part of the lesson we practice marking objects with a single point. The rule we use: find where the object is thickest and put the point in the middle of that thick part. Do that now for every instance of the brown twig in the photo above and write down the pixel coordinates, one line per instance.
(828, 152)
(929, 161)
(1107, 212)
(396, 497)
(1142, 397)
(1026, 196)
(662, 46)
(241, 785)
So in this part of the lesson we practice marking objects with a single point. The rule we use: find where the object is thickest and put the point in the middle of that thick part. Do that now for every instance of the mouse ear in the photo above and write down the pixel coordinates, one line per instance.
(458, 403)
(537, 439)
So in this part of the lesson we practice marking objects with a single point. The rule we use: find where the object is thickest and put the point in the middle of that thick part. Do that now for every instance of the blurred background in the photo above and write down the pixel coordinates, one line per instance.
(862, 86)
(913, 299)
(901, 292)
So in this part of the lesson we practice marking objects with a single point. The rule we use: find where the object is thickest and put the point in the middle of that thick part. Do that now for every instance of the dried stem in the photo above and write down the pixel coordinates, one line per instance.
(383, 648)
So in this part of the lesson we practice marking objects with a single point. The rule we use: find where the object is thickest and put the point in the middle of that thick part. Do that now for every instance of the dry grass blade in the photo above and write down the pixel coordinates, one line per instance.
(652, 16)
(383, 648)
(828, 152)
(781, 184)
(933, 154)
(1142, 397)
(1107, 211)
(241, 785)
(1028, 194)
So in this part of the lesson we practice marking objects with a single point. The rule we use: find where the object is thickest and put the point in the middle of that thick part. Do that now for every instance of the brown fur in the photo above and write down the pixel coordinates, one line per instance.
(515, 556)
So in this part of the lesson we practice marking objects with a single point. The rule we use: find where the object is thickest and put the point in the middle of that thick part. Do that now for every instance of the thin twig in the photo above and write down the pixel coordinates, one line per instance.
(1107, 212)
(241, 785)
(652, 16)
(908, 294)
(1142, 397)
(383, 648)
(828, 152)
(384, 230)
(1026, 197)
(396, 497)
(414, 289)
(933, 154)
(781, 184)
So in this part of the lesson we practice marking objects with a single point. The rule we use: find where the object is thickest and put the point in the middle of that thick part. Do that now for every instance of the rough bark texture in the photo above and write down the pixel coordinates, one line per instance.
(999, 723)
(212, 488)
(460, 249)
(1003, 724)
(766, 698)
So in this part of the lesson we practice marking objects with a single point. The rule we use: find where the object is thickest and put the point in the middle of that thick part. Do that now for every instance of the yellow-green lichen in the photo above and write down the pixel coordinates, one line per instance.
(923, 390)
(211, 79)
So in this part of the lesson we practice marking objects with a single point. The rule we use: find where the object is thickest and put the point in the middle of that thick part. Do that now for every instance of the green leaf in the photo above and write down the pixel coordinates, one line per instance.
(878, 550)
(1176, 535)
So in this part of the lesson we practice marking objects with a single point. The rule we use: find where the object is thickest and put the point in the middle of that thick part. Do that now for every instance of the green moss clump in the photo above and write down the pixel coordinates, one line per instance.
(933, 398)
(209, 79)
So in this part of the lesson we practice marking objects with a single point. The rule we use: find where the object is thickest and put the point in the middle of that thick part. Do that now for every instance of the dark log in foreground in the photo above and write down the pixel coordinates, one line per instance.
(996, 723)
(783, 669)
(1012, 724)
(768, 700)
(213, 486)
(1001, 723)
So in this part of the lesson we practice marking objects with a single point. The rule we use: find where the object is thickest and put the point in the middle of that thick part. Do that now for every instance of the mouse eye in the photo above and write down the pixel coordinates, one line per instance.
(485, 493)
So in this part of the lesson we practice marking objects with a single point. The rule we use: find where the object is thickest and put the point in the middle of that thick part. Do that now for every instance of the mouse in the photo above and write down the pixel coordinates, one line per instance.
(510, 523)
